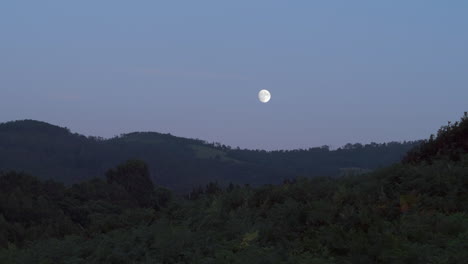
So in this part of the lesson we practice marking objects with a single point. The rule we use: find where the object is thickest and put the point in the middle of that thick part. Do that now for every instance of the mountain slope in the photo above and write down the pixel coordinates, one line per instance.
(405, 213)
(52, 152)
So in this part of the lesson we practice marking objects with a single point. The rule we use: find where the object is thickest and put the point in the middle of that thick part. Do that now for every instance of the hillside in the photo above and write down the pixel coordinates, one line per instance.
(52, 152)
(450, 143)
(406, 213)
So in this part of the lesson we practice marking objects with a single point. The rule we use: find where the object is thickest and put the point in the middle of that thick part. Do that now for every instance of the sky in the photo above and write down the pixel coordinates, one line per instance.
(338, 71)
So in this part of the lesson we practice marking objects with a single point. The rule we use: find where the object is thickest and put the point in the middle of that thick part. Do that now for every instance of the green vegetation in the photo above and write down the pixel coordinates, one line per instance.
(402, 214)
(451, 143)
(414, 212)
(51, 152)
(207, 152)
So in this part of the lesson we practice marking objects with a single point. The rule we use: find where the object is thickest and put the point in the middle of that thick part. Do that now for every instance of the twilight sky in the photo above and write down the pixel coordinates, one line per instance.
(339, 71)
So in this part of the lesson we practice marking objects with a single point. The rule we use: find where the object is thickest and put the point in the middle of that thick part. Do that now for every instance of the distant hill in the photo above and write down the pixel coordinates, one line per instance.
(52, 152)
(411, 212)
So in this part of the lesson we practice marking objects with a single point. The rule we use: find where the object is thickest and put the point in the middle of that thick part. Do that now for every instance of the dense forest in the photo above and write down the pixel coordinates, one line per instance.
(51, 152)
(415, 211)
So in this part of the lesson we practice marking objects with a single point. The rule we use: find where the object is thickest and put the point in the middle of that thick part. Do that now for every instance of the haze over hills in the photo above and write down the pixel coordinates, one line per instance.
(51, 152)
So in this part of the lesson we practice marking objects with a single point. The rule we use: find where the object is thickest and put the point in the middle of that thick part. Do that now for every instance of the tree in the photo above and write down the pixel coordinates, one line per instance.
(134, 176)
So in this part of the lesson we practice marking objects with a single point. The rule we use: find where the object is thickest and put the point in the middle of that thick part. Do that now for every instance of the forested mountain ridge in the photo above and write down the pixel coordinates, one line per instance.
(52, 152)
(412, 212)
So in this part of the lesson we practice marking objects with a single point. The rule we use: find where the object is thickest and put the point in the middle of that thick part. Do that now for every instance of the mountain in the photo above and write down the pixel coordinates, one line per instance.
(409, 212)
(51, 152)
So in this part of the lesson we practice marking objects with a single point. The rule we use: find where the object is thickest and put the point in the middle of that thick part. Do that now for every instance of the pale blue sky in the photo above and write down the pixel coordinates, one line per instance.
(338, 71)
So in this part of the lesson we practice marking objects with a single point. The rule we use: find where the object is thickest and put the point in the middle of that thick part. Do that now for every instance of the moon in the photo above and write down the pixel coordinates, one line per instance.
(264, 96)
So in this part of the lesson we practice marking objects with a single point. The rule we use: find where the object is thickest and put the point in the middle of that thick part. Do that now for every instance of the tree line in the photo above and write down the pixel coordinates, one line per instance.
(415, 211)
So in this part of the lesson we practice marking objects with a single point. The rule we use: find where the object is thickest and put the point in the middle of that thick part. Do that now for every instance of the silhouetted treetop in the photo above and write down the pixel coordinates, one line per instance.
(134, 176)
(451, 142)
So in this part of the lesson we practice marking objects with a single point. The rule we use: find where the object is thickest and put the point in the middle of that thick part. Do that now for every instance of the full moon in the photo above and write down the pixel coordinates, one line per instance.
(264, 96)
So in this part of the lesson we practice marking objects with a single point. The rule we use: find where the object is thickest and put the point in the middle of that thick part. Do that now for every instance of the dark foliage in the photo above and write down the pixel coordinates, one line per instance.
(402, 214)
(406, 213)
(134, 177)
(451, 143)
(51, 152)
(31, 209)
